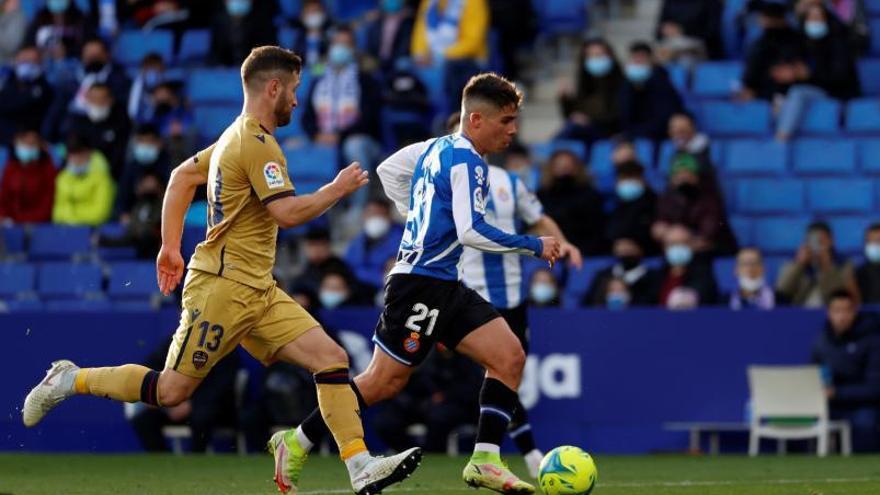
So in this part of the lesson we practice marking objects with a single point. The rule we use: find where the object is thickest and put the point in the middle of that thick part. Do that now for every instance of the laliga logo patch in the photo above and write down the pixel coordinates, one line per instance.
(273, 175)
(479, 201)
(412, 344)
(200, 359)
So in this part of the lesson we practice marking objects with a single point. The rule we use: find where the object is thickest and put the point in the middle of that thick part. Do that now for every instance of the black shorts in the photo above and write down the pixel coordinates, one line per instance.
(518, 320)
(420, 311)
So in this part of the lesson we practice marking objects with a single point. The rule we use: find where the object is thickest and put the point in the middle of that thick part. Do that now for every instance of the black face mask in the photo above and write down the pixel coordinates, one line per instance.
(629, 262)
(564, 182)
(688, 190)
(163, 108)
(94, 67)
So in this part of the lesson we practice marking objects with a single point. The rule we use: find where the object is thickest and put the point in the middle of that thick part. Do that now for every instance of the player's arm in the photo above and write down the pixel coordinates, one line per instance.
(396, 172)
(531, 211)
(178, 196)
(291, 211)
(469, 208)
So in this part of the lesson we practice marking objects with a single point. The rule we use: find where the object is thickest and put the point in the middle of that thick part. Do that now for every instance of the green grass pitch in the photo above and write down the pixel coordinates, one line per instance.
(25, 474)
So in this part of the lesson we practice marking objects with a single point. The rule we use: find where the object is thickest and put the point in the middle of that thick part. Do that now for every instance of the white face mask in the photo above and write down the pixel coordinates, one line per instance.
(376, 227)
(749, 284)
(97, 114)
(313, 20)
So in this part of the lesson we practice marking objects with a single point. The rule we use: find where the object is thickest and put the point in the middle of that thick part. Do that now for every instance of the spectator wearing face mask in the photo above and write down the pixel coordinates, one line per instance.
(635, 209)
(25, 94)
(686, 138)
(518, 161)
(851, 13)
(143, 221)
(816, 271)
(105, 124)
(868, 274)
(27, 188)
(240, 26)
(686, 280)
(13, 27)
(389, 35)
(315, 26)
(674, 46)
(695, 19)
(640, 284)
(569, 198)
(84, 189)
(99, 68)
(60, 28)
(174, 120)
(338, 290)
(147, 157)
(752, 291)
(150, 75)
(617, 296)
(544, 289)
(775, 60)
(698, 206)
(342, 107)
(592, 108)
(380, 239)
(647, 99)
(319, 258)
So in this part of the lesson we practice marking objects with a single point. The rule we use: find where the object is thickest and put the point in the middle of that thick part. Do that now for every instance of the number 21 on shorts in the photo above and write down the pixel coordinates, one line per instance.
(420, 314)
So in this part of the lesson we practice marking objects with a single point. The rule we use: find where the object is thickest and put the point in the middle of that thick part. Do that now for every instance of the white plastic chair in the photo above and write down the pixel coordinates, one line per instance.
(787, 392)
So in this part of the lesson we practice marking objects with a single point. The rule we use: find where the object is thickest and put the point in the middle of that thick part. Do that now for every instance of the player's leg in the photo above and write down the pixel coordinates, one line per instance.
(520, 430)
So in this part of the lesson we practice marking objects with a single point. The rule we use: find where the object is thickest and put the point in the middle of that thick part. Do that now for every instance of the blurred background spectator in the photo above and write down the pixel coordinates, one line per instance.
(60, 29)
(686, 280)
(543, 289)
(635, 208)
(240, 27)
(379, 240)
(150, 75)
(143, 219)
(314, 25)
(84, 190)
(868, 273)
(648, 98)
(27, 187)
(641, 285)
(752, 290)
(698, 20)
(13, 27)
(319, 258)
(104, 124)
(592, 108)
(25, 94)
(389, 34)
(775, 60)
(147, 156)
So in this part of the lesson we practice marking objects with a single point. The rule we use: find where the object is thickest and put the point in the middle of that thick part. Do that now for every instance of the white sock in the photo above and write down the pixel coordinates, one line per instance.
(303, 440)
(356, 463)
(534, 455)
(490, 448)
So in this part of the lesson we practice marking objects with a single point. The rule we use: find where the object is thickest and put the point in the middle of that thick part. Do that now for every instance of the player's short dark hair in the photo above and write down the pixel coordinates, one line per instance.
(841, 294)
(264, 60)
(493, 89)
(821, 226)
(452, 122)
(641, 47)
(630, 169)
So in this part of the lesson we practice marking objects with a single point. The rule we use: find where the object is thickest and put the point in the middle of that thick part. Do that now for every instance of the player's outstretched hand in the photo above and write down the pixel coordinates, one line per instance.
(169, 269)
(570, 251)
(551, 249)
(351, 178)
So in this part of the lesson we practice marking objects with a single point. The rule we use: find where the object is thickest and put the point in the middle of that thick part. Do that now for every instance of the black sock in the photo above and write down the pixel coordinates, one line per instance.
(497, 402)
(313, 426)
(150, 388)
(520, 430)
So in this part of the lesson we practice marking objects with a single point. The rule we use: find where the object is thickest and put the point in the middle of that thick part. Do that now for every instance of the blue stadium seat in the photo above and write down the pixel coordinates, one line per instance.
(863, 115)
(16, 279)
(308, 186)
(4, 154)
(725, 275)
(869, 155)
(349, 10)
(869, 76)
(542, 151)
(290, 8)
(780, 235)
(192, 236)
(68, 280)
(197, 215)
(79, 305)
(133, 306)
(195, 46)
(742, 228)
(215, 86)
(114, 230)
(319, 163)
(131, 46)
(769, 196)
(824, 156)
(11, 240)
(132, 280)
(561, 16)
(729, 118)
(822, 117)
(287, 37)
(849, 232)
(678, 75)
(21, 305)
(432, 77)
(56, 242)
(717, 79)
(840, 195)
(872, 7)
(874, 26)
(579, 280)
(755, 157)
(212, 120)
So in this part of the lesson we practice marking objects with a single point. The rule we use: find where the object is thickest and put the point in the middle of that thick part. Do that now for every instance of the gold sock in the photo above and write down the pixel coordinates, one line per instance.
(339, 408)
(121, 383)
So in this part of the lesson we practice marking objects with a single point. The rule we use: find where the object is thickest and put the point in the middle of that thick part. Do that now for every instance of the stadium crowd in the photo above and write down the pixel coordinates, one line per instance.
(632, 176)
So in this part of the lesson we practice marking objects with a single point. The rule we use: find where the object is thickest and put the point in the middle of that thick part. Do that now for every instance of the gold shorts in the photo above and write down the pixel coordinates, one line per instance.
(218, 314)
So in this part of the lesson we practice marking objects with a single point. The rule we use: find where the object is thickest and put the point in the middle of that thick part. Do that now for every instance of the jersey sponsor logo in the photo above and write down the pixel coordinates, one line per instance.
(274, 176)
(200, 359)
(479, 201)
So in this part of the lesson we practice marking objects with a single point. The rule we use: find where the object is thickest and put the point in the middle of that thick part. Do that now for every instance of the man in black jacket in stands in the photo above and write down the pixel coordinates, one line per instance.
(848, 349)
(647, 99)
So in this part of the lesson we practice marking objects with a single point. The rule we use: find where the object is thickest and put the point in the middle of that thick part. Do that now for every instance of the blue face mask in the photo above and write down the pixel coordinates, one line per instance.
(392, 6)
(331, 298)
(25, 153)
(629, 189)
(78, 169)
(152, 77)
(57, 6)
(679, 254)
(617, 301)
(598, 66)
(28, 71)
(238, 8)
(638, 73)
(815, 29)
(543, 293)
(340, 55)
(145, 154)
(872, 252)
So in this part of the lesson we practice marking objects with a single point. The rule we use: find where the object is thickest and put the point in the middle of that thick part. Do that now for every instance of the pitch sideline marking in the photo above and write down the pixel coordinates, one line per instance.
(638, 484)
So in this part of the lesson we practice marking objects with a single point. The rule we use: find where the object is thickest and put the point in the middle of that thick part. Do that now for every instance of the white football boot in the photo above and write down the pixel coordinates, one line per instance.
(55, 387)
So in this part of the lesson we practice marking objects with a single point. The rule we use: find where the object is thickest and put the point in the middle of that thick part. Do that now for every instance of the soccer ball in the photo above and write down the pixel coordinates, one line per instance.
(567, 471)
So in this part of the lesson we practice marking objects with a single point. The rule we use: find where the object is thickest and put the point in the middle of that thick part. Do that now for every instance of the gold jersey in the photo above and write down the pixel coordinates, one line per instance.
(246, 170)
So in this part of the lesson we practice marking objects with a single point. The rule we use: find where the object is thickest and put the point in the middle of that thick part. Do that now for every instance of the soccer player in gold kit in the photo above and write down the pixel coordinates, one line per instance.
(229, 295)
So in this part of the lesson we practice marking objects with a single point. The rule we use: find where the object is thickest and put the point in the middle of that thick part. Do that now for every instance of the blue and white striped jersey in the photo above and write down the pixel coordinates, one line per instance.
(498, 277)
(448, 201)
